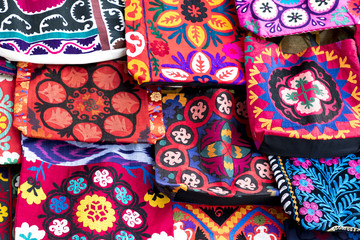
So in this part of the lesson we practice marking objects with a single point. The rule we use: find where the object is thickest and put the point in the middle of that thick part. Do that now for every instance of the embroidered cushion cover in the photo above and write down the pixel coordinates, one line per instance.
(90, 103)
(271, 18)
(10, 146)
(207, 155)
(320, 193)
(203, 222)
(62, 31)
(179, 42)
(303, 104)
(96, 201)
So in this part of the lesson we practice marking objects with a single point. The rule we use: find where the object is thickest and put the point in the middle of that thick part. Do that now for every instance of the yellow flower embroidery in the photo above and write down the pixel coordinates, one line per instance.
(32, 192)
(156, 198)
(155, 96)
(96, 213)
(3, 212)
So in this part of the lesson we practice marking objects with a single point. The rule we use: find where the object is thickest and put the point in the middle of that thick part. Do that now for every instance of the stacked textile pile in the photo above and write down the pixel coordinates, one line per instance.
(179, 119)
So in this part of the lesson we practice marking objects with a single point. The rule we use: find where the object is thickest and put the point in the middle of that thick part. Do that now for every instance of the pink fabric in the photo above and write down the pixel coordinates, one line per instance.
(96, 201)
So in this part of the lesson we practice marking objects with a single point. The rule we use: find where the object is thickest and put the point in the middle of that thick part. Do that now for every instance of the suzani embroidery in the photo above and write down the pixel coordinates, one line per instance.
(206, 147)
(207, 32)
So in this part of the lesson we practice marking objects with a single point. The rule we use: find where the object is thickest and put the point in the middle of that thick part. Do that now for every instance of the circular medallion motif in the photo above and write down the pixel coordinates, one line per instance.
(172, 158)
(294, 17)
(91, 105)
(182, 134)
(198, 111)
(305, 94)
(194, 10)
(265, 9)
(94, 204)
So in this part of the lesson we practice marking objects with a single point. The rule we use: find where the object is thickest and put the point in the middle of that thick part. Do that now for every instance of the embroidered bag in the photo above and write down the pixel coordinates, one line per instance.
(106, 200)
(89, 103)
(62, 31)
(180, 42)
(303, 104)
(271, 18)
(320, 193)
(10, 146)
(207, 156)
(228, 222)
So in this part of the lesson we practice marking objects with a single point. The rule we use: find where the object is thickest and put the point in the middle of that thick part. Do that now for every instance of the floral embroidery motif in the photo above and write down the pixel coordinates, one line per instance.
(214, 155)
(3, 212)
(76, 185)
(285, 17)
(180, 18)
(96, 213)
(98, 201)
(311, 212)
(32, 191)
(305, 94)
(88, 103)
(59, 227)
(156, 198)
(304, 183)
(354, 168)
(201, 67)
(103, 178)
(26, 232)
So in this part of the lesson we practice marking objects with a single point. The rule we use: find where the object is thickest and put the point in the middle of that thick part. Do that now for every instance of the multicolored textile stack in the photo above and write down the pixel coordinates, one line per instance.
(179, 119)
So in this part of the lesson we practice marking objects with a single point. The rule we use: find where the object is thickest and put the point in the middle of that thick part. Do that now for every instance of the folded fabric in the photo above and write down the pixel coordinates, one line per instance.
(271, 18)
(7, 67)
(304, 104)
(89, 103)
(95, 201)
(182, 42)
(295, 232)
(62, 31)
(207, 156)
(193, 222)
(320, 194)
(9, 183)
(72, 153)
(10, 146)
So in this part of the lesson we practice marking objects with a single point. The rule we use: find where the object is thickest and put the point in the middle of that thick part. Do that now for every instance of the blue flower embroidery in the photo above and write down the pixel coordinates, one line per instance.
(122, 195)
(77, 185)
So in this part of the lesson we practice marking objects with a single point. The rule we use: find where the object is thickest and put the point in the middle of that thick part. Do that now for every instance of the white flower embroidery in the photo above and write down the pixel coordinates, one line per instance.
(162, 236)
(59, 227)
(103, 178)
(25, 232)
(9, 157)
(132, 218)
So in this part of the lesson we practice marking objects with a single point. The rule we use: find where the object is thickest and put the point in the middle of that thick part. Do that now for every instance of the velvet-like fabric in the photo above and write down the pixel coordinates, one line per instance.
(62, 31)
(89, 103)
(181, 42)
(105, 200)
(242, 222)
(271, 18)
(320, 194)
(303, 104)
(207, 155)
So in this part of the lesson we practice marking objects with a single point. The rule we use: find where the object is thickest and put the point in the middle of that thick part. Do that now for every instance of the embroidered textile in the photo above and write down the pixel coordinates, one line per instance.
(186, 41)
(62, 31)
(207, 155)
(195, 222)
(71, 153)
(96, 201)
(9, 183)
(303, 104)
(89, 103)
(10, 146)
(7, 67)
(271, 18)
(295, 232)
(320, 193)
